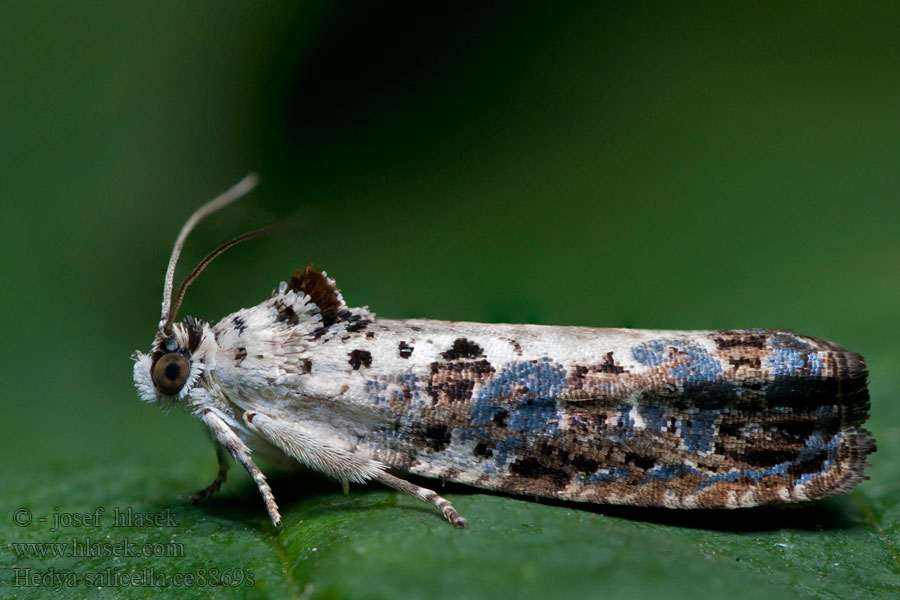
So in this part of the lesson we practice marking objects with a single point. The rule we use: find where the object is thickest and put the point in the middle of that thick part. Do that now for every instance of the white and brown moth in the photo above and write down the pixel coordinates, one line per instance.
(680, 419)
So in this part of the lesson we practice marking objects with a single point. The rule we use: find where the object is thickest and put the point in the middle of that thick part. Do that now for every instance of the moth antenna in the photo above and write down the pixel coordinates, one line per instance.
(205, 263)
(239, 189)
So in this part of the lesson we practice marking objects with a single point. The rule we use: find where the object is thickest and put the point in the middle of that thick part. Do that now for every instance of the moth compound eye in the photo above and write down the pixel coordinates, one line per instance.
(170, 373)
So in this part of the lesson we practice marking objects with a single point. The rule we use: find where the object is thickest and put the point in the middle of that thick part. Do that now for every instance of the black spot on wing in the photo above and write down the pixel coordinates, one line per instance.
(437, 437)
(357, 323)
(360, 358)
(238, 324)
(609, 365)
(567, 460)
(706, 395)
(341, 316)
(788, 341)
(584, 464)
(727, 340)
(745, 361)
(644, 463)
(532, 468)
(405, 350)
(454, 381)
(483, 450)
(463, 348)
(239, 355)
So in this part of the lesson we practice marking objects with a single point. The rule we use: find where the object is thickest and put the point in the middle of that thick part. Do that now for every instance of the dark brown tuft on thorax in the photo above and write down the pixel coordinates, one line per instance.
(320, 290)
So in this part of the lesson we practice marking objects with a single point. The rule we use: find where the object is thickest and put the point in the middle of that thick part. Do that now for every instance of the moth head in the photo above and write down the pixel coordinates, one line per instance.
(171, 371)
(182, 351)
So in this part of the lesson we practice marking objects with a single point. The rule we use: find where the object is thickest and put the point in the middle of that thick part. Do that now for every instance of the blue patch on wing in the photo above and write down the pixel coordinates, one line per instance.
(682, 359)
(624, 429)
(527, 392)
(501, 455)
(696, 428)
(669, 472)
(699, 430)
(376, 389)
(538, 414)
(698, 436)
(655, 416)
(816, 444)
(785, 362)
(792, 356)
(603, 475)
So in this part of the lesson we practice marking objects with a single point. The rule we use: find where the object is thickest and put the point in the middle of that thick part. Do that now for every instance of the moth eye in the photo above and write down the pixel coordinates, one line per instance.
(170, 373)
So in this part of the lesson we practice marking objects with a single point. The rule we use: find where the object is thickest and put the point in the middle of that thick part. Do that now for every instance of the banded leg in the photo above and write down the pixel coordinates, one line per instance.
(212, 488)
(423, 494)
(241, 453)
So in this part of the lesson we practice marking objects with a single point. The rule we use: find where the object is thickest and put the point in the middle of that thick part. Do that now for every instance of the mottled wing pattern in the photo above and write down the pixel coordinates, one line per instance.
(661, 418)
(682, 419)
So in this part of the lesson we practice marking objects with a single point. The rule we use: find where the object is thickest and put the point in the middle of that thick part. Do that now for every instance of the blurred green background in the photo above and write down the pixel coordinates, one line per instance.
(658, 165)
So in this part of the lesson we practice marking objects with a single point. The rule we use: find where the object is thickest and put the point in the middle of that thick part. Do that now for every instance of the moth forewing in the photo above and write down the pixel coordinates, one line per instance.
(663, 418)
(653, 418)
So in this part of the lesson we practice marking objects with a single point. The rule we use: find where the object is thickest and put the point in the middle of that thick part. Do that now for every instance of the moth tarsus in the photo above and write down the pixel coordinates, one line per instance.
(679, 419)
(201, 496)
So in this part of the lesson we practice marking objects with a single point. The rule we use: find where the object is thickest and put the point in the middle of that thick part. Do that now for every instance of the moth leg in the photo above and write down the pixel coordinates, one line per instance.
(241, 453)
(212, 488)
(340, 463)
(423, 494)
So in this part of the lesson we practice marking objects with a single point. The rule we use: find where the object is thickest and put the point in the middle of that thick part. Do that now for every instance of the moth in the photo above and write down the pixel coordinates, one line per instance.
(680, 419)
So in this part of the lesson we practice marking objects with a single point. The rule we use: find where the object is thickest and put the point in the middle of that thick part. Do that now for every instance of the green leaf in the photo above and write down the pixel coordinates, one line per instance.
(375, 543)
